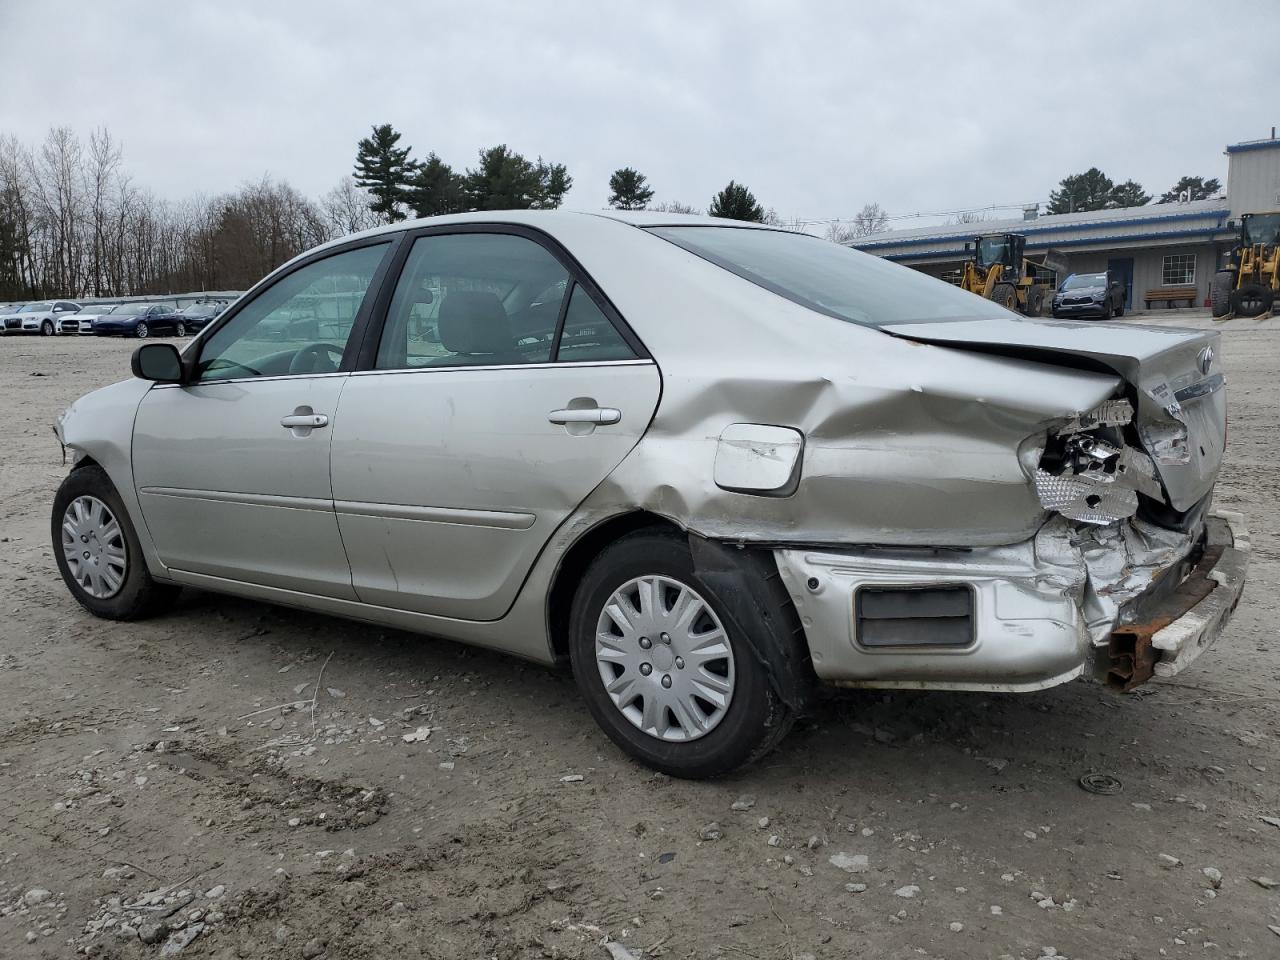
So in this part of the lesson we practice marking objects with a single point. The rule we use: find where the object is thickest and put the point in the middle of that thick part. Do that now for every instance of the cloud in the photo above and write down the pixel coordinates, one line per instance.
(819, 107)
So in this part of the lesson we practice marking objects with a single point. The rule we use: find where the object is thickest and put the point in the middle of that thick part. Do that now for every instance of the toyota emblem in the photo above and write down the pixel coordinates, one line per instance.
(1204, 360)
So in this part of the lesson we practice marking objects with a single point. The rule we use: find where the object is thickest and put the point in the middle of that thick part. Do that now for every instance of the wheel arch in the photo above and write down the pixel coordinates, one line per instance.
(573, 564)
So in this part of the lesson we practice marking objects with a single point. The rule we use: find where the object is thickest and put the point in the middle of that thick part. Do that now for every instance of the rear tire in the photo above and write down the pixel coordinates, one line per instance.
(1252, 300)
(85, 506)
(1035, 302)
(752, 721)
(1220, 289)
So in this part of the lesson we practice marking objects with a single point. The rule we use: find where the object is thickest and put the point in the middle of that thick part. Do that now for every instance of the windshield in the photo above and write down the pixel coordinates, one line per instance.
(131, 309)
(991, 250)
(1262, 228)
(830, 278)
(36, 307)
(198, 310)
(1082, 281)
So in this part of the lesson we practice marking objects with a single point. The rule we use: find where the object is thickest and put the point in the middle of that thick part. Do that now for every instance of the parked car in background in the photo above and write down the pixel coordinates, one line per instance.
(1097, 296)
(42, 317)
(140, 320)
(198, 315)
(708, 464)
(88, 314)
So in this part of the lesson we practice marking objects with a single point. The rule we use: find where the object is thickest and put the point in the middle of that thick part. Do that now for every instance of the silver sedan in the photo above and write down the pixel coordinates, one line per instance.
(709, 465)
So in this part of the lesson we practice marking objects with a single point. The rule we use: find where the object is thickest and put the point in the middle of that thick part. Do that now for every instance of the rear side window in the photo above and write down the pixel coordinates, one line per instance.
(491, 299)
(829, 277)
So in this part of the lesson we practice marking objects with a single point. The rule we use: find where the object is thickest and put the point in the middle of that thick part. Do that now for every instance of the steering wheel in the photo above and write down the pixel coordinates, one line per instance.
(316, 358)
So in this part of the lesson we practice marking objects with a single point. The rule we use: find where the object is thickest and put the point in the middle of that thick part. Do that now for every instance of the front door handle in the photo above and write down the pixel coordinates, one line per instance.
(307, 420)
(592, 415)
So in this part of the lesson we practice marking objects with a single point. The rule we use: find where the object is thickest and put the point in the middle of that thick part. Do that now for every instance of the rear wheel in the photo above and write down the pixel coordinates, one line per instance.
(1251, 300)
(664, 668)
(1006, 295)
(1220, 288)
(141, 331)
(1035, 301)
(98, 553)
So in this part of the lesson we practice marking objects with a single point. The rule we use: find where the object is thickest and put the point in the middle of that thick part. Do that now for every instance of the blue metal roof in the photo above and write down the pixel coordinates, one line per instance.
(1271, 144)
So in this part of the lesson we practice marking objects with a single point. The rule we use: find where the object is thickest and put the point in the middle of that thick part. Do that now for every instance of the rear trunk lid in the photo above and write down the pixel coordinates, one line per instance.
(1174, 373)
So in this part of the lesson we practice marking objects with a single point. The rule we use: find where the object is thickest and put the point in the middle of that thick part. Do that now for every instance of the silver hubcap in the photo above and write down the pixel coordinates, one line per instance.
(664, 658)
(142, 330)
(93, 544)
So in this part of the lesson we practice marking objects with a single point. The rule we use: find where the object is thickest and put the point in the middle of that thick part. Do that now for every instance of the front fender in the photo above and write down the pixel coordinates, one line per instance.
(99, 427)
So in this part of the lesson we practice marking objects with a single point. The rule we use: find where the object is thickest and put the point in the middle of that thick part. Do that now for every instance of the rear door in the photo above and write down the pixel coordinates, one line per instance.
(503, 389)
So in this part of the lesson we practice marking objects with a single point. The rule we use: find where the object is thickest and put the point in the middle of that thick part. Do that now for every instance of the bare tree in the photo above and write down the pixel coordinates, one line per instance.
(870, 219)
(672, 206)
(969, 216)
(345, 209)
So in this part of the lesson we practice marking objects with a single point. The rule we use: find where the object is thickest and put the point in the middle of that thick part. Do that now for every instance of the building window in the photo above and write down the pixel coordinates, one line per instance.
(1179, 269)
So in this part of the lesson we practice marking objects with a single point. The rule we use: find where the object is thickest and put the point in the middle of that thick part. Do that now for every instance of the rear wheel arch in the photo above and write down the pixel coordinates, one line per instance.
(578, 557)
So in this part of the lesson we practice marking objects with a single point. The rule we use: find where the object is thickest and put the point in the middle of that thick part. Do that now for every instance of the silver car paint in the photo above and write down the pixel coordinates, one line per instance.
(907, 443)
(449, 481)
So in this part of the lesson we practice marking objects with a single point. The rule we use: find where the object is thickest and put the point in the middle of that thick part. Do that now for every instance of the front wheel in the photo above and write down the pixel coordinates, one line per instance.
(180, 329)
(141, 331)
(98, 553)
(664, 668)
(46, 328)
(1119, 310)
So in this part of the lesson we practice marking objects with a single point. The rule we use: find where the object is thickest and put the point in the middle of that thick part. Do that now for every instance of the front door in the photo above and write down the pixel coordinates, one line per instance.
(232, 470)
(1122, 269)
(502, 395)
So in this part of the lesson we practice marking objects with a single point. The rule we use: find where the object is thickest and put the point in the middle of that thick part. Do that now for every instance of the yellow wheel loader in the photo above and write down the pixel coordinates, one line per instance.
(1249, 284)
(999, 271)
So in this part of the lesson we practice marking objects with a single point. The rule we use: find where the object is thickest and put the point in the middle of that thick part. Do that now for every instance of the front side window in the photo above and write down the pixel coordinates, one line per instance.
(473, 299)
(1178, 269)
(830, 278)
(298, 325)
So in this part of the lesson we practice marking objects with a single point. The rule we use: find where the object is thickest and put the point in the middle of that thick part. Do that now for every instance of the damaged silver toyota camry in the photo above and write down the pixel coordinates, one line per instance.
(710, 465)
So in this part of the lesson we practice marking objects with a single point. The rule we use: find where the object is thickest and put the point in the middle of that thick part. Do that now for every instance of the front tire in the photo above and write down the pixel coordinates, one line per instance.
(46, 329)
(180, 329)
(664, 667)
(141, 331)
(98, 552)
(1252, 300)
(1220, 288)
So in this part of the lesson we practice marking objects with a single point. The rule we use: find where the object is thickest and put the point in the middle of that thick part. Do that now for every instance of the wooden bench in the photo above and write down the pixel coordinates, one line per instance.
(1171, 295)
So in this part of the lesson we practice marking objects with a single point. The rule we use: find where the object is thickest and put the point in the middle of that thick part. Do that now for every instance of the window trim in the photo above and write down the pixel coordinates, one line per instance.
(367, 356)
(359, 327)
(1164, 263)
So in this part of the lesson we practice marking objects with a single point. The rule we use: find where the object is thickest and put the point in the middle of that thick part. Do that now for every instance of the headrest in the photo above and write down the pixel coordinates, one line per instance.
(474, 322)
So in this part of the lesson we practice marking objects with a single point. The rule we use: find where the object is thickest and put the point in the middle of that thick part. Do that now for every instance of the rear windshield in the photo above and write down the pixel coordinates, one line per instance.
(830, 278)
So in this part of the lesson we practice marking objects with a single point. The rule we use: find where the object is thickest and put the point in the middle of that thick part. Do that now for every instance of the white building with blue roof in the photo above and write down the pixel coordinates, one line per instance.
(1158, 247)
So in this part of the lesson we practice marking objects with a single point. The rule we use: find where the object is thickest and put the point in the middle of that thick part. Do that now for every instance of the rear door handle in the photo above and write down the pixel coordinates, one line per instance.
(595, 415)
(304, 420)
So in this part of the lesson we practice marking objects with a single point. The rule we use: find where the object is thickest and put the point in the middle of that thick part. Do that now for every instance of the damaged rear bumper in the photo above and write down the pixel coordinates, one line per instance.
(1118, 604)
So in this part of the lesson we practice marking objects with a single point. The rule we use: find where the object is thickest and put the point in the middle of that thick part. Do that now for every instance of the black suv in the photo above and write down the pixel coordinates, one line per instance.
(1097, 296)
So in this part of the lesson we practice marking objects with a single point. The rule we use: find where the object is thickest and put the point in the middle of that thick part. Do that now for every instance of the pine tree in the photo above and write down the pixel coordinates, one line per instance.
(435, 189)
(384, 170)
(1128, 194)
(736, 202)
(505, 180)
(630, 188)
(1196, 188)
(1090, 190)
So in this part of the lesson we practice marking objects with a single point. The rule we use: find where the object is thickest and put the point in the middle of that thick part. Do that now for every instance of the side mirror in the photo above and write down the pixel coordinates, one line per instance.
(157, 362)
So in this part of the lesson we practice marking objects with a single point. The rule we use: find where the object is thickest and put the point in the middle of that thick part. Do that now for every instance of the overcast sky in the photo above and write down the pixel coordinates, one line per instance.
(819, 107)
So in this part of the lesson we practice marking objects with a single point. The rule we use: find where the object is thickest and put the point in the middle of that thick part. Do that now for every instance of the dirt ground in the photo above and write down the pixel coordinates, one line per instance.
(154, 758)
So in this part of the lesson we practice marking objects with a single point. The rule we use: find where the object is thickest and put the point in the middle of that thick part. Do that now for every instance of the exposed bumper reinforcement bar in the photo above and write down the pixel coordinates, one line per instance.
(1188, 620)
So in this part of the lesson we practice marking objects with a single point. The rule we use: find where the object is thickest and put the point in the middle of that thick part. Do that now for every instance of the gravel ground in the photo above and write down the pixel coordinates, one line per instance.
(455, 803)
